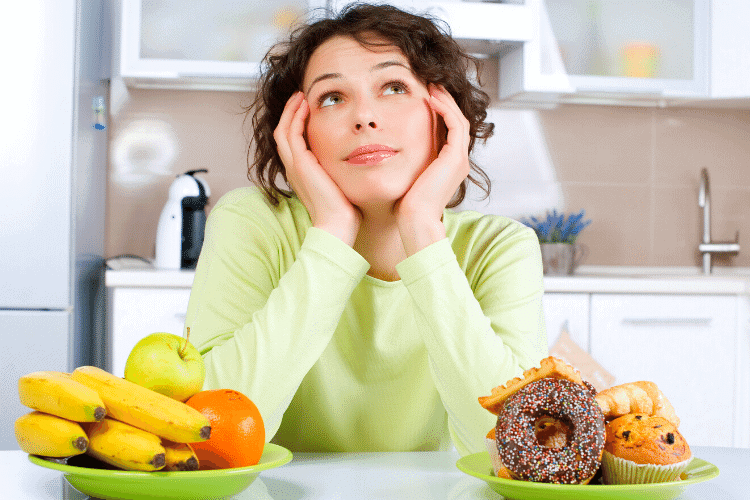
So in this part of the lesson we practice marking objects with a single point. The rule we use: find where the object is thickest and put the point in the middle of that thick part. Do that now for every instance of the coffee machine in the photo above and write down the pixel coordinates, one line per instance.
(179, 236)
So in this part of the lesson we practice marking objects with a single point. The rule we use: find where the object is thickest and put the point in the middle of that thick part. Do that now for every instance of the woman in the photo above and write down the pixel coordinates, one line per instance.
(357, 311)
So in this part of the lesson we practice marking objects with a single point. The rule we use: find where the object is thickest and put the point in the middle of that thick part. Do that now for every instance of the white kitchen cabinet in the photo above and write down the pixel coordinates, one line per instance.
(689, 345)
(730, 46)
(137, 311)
(569, 311)
(480, 27)
(218, 45)
(215, 45)
(611, 52)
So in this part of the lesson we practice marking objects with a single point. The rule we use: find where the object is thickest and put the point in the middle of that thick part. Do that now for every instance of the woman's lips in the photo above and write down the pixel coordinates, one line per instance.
(370, 154)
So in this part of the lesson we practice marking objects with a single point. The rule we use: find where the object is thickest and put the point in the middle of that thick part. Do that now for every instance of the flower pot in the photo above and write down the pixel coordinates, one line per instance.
(560, 259)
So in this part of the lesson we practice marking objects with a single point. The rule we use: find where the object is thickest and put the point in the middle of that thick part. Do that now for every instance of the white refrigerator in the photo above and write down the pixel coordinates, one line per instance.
(53, 140)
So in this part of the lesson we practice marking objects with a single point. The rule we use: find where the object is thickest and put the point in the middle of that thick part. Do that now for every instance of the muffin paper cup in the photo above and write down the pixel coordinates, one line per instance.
(616, 470)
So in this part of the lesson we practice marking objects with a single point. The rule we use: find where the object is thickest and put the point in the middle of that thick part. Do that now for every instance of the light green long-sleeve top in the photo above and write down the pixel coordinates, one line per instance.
(337, 360)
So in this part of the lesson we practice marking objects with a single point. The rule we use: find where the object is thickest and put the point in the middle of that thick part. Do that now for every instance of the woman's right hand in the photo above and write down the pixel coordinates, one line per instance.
(327, 205)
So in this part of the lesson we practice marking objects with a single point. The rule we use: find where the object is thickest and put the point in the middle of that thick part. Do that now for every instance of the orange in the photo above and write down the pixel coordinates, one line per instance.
(237, 431)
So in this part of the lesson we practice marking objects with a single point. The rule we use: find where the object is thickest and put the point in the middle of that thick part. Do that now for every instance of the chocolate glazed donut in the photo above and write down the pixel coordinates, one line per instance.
(566, 402)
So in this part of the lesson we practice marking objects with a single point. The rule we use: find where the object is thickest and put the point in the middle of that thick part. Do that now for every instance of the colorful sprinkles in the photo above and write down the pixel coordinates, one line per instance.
(560, 399)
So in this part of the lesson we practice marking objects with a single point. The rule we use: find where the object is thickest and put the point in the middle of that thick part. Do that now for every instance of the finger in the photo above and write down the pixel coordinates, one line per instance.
(446, 105)
(292, 104)
(450, 106)
(281, 133)
(455, 121)
(453, 157)
(296, 132)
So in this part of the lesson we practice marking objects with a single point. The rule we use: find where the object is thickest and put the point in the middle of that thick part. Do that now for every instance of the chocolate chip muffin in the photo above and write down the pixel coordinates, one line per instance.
(643, 449)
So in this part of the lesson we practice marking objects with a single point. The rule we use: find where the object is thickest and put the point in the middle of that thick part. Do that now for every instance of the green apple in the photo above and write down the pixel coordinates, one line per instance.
(168, 364)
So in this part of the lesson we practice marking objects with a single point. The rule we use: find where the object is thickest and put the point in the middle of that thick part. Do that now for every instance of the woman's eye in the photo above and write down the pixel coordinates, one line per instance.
(395, 88)
(329, 100)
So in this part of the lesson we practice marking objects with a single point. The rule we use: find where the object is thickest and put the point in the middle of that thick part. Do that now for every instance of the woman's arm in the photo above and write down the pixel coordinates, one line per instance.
(265, 302)
(481, 326)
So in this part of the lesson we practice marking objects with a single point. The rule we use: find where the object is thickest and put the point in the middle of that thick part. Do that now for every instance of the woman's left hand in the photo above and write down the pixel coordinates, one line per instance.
(420, 211)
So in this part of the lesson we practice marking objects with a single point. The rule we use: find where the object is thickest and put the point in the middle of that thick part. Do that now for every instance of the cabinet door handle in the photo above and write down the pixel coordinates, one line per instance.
(667, 321)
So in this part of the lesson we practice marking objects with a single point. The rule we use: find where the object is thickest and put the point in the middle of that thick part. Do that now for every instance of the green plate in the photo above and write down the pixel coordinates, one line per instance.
(479, 465)
(193, 485)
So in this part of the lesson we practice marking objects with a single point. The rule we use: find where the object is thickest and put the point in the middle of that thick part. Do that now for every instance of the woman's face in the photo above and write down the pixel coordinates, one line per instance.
(370, 124)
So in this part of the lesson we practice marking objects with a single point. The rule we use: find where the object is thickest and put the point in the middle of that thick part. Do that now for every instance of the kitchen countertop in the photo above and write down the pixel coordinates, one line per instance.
(586, 279)
(674, 280)
(363, 476)
(149, 278)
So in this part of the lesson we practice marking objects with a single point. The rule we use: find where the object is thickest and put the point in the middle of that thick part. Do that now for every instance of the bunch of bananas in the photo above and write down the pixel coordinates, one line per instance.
(112, 419)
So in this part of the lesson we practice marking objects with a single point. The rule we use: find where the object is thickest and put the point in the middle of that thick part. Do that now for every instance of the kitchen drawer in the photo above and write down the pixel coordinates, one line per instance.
(137, 312)
(688, 345)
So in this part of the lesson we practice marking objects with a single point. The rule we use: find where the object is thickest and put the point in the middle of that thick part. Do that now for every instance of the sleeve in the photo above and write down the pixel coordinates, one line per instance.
(261, 329)
(482, 334)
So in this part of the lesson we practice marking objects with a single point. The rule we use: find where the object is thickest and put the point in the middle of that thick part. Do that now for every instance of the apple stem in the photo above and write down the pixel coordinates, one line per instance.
(187, 336)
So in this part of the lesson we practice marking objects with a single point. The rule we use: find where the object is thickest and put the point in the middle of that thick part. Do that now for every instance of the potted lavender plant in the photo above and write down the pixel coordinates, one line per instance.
(557, 235)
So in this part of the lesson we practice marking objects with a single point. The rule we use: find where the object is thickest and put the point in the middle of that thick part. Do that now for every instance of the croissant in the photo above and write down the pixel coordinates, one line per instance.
(636, 397)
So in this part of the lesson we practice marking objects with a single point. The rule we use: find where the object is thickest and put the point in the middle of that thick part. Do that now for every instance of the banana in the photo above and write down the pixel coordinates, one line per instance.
(146, 409)
(125, 446)
(39, 433)
(58, 394)
(180, 456)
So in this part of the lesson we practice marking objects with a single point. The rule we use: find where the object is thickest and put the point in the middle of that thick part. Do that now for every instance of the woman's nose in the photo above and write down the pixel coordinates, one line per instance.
(365, 116)
(360, 126)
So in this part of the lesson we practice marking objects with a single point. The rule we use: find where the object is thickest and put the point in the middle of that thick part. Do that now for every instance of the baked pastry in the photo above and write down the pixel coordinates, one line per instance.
(551, 431)
(549, 367)
(497, 466)
(636, 397)
(641, 448)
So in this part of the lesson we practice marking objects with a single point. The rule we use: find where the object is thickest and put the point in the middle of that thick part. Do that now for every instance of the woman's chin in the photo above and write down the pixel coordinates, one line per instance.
(376, 196)
(377, 201)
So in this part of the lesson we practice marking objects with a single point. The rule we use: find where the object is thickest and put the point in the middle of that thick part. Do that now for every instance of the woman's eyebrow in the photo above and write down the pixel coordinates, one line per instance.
(325, 76)
(386, 64)
(379, 66)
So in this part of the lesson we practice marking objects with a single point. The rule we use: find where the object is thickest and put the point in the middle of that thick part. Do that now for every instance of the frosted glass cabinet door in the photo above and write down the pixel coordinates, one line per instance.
(203, 42)
(652, 46)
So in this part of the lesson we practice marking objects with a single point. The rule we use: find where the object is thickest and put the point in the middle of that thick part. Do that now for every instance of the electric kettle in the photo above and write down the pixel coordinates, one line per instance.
(179, 235)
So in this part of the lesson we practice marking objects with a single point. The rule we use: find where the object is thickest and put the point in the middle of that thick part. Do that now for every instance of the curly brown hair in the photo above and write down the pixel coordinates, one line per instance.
(433, 55)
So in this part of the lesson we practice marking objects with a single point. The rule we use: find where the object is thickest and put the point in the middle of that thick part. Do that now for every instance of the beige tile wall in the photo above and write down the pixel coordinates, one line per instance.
(208, 133)
(634, 170)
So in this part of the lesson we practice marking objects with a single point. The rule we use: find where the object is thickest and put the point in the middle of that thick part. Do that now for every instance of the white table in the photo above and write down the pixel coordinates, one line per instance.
(363, 476)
